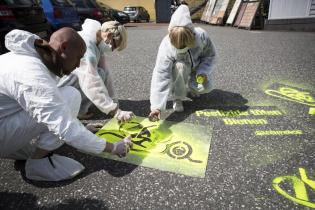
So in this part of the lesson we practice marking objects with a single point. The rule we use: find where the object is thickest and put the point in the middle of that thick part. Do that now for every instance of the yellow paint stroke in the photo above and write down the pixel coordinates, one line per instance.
(278, 132)
(301, 195)
(312, 111)
(292, 94)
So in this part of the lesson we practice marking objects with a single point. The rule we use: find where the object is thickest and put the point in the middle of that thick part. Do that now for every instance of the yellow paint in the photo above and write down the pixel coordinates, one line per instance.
(234, 113)
(278, 132)
(230, 121)
(120, 4)
(217, 113)
(265, 112)
(301, 195)
(292, 94)
(176, 147)
(312, 111)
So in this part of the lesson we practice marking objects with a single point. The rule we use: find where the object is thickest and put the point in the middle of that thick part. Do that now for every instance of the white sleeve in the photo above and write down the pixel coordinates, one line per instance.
(207, 57)
(93, 86)
(43, 101)
(161, 78)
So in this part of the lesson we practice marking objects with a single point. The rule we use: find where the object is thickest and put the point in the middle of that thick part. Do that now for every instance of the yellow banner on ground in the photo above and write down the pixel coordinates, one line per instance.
(176, 147)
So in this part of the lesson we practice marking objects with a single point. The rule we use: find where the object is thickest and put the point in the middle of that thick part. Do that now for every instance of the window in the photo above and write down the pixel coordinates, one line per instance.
(130, 9)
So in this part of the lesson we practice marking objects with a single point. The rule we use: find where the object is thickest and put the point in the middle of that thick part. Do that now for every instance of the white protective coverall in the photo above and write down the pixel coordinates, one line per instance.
(31, 104)
(174, 71)
(92, 78)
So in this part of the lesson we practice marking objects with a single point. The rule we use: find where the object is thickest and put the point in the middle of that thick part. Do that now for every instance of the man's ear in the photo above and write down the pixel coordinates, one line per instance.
(63, 47)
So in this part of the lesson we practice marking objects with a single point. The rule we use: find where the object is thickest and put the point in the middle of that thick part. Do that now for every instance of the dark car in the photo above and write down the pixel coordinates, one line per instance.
(90, 9)
(120, 16)
(137, 14)
(22, 14)
(60, 13)
(114, 14)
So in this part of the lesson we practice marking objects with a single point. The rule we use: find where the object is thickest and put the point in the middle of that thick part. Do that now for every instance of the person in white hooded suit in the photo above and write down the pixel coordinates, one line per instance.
(37, 117)
(93, 78)
(184, 55)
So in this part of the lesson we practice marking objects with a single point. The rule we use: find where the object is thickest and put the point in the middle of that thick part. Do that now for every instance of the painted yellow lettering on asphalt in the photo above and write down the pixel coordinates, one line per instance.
(232, 121)
(235, 113)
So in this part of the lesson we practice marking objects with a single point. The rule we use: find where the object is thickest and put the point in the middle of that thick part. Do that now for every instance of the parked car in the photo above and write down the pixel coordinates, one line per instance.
(137, 14)
(26, 15)
(89, 9)
(60, 13)
(120, 16)
(114, 14)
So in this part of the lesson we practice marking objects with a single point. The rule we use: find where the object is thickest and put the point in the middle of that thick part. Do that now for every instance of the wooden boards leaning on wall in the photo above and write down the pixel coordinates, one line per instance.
(237, 13)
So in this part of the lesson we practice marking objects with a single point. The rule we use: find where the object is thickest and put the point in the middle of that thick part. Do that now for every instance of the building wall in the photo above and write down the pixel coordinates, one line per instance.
(290, 9)
(149, 5)
(120, 4)
(296, 15)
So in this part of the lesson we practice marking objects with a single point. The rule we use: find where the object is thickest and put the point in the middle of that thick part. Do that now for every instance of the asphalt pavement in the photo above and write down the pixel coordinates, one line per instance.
(262, 144)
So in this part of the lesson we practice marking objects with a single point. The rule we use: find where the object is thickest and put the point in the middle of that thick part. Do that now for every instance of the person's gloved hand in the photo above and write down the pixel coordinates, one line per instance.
(123, 116)
(155, 115)
(122, 147)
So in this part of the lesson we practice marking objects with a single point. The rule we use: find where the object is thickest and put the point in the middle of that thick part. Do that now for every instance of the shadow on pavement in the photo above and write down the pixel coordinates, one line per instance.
(92, 164)
(9, 200)
(215, 100)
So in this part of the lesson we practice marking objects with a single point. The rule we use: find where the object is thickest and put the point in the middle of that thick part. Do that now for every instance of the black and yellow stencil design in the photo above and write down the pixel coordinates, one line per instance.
(176, 147)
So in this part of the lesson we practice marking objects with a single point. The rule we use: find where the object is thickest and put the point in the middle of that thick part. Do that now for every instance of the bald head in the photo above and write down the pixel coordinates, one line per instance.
(66, 35)
(70, 46)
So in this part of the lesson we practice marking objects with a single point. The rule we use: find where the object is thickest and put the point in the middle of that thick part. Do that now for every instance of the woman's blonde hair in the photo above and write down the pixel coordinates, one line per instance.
(182, 37)
(119, 33)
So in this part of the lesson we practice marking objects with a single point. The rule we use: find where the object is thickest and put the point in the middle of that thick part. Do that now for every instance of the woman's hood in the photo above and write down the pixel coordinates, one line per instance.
(181, 17)
(90, 28)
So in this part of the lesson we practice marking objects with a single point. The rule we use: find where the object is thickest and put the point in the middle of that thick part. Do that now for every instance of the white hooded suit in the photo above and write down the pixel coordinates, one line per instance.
(31, 104)
(92, 78)
(175, 71)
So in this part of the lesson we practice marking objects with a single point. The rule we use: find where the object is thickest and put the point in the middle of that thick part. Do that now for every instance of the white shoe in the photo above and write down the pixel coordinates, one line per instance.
(52, 168)
(178, 105)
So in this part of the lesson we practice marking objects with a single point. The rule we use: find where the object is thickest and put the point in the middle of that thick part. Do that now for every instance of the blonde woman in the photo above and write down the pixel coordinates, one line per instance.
(93, 78)
(184, 55)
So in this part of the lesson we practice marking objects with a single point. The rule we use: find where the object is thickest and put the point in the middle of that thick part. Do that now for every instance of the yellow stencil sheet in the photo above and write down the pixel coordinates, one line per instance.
(176, 147)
